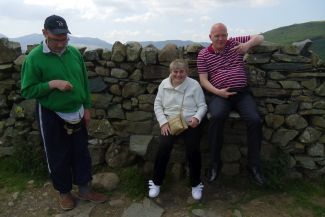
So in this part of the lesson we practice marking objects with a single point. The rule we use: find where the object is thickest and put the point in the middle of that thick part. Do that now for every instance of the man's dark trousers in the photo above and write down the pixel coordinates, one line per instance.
(68, 157)
(219, 109)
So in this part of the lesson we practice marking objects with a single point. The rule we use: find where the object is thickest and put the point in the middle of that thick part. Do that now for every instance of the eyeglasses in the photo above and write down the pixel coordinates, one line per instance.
(58, 41)
(216, 37)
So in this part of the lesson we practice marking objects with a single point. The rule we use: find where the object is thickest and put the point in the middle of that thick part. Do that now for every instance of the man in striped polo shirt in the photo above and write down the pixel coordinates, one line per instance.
(222, 73)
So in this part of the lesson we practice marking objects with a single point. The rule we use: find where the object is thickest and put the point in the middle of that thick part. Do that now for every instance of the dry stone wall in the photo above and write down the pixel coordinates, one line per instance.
(287, 82)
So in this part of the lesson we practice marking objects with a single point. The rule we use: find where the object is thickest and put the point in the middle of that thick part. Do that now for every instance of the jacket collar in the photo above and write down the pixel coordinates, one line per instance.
(180, 87)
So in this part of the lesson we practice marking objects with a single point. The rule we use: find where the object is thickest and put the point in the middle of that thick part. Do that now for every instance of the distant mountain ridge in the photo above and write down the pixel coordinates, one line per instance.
(314, 31)
(161, 44)
(76, 41)
(92, 43)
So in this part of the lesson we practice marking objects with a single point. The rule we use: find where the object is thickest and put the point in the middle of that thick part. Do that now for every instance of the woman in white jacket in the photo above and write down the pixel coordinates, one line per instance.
(178, 93)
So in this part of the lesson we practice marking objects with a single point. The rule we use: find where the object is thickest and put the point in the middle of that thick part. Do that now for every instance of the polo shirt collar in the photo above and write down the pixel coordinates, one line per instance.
(46, 49)
(211, 50)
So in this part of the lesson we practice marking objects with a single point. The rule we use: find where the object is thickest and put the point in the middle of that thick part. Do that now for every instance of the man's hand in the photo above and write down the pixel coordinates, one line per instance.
(194, 122)
(164, 129)
(241, 48)
(225, 93)
(244, 47)
(87, 116)
(61, 85)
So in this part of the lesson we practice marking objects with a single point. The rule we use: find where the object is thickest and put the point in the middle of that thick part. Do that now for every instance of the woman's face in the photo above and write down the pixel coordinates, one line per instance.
(178, 76)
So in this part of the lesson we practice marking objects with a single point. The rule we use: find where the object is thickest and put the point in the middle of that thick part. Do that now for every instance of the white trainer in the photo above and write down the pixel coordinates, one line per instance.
(197, 191)
(153, 189)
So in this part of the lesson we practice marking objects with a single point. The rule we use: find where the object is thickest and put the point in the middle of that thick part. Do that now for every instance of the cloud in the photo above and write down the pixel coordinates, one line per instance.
(241, 31)
(122, 6)
(263, 3)
(121, 35)
(16, 10)
(189, 20)
(180, 7)
(200, 37)
(205, 18)
(166, 19)
(62, 4)
(127, 35)
(86, 9)
(122, 11)
(194, 36)
(135, 19)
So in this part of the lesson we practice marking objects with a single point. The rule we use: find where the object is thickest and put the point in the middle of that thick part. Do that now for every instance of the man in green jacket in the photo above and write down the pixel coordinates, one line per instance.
(55, 75)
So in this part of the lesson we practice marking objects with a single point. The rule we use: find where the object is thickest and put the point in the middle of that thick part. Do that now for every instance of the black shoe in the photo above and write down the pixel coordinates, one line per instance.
(213, 173)
(257, 176)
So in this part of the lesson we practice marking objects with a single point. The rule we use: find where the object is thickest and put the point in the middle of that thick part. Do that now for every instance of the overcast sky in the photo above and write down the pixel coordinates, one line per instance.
(153, 20)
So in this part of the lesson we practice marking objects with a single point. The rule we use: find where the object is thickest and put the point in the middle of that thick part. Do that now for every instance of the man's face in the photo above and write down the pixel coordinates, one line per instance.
(218, 37)
(56, 43)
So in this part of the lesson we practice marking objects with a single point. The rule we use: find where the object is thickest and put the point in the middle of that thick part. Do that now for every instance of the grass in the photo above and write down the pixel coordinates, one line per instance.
(196, 206)
(311, 30)
(13, 180)
(14, 177)
(133, 183)
(306, 192)
(27, 163)
(296, 32)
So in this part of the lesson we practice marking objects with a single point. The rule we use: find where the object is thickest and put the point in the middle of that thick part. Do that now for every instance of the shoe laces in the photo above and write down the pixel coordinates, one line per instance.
(199, 187)
(152, 185)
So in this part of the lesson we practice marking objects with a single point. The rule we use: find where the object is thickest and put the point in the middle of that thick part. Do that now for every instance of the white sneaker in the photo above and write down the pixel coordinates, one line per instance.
(197, 191)
(153, 189)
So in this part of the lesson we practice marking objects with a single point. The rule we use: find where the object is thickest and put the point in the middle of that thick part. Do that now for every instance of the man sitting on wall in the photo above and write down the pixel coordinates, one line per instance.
(222, 72)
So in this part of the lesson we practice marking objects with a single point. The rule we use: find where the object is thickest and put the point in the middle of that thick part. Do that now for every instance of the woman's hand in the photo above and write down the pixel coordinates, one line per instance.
(194, 122)
(165, 130)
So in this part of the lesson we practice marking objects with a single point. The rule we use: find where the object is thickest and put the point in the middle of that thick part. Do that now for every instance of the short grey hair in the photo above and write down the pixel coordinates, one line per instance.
(179, 64)
(217, 25)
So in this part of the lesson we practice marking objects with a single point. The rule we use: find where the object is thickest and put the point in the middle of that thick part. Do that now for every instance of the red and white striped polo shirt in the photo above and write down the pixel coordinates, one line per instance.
(226, 68)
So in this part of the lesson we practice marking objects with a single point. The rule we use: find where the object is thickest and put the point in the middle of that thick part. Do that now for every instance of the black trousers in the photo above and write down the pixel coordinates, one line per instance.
(193, 155)
(68, 157)
(219, 109)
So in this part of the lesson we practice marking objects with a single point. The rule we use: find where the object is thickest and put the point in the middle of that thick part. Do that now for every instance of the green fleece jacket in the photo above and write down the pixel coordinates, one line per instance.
(39, 68)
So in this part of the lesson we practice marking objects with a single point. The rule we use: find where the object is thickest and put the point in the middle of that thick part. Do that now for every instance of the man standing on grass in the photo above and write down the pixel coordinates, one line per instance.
(55, 75)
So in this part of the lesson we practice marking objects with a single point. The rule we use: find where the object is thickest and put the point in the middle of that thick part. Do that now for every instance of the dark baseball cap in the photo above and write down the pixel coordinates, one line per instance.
(56, 25)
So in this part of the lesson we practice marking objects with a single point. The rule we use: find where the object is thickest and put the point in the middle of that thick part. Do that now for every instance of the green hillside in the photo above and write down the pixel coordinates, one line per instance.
(314, 31)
